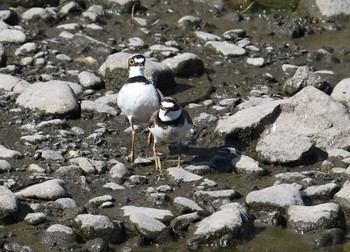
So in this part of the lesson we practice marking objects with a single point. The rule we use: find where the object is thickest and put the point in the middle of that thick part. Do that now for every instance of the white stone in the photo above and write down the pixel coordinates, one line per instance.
(226, 48)
(48, 190)
(277, 196)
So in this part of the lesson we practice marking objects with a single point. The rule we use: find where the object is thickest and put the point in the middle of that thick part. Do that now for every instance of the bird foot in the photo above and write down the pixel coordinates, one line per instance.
(131, 156)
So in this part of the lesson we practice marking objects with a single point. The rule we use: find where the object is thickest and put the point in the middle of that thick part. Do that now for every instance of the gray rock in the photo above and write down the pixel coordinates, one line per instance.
(158, 214)
(116, 67)
(182, 222)
(180, 175)
(286, 148)
(206, 36)
(290, 177)
(34, 139)
(113, 186)
(289, 28)
(96, 245)
(38, 13)
(63, 57)
(199, 168)
(69, 7)
(35, 168)
(184, 205)
(259, 62)
(8, 15)
(89, 166)
(123, 6)
(248, 123)
(341, 92)
(185, 65)
(7, 153)
(278, 196)
(91, 226)
(343, 196)
(164, 49)
(325, 192)
(335, 152)
(119, 172)
(224, 228)
(9, 206)
(164, 188)
(35, 218)
(138, 179)
(218, 194)
(64, 203)
(59, 235)
(48, 190)
(304, 77)
(3, 56)
(233, 35)
(304, 219)
(90, 80)
(53, 97)
(51, 155)
(109, 99)
(313, 113)
(189, 22)
(325, 9)
(94, 12)
(12, 36)
(289, 69)
(98, 201)
(5, 166)
(12, 83)
(204, 118)
(245, 164)
(136, 43)
(226, 48)
(97, 107)
(149, 227)
(229, 102)
(80, 40)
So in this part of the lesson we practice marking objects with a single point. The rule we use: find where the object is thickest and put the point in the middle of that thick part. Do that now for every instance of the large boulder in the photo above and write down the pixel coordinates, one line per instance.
(230, 224)
(326, 9)
(116, 65)
(52, 97)
(8, 206)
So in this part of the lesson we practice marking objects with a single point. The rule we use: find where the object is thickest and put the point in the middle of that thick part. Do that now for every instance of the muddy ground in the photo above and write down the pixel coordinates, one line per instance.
(232, 78)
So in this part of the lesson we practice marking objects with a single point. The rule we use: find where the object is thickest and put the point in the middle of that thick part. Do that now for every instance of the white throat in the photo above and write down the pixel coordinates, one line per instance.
(135, 71)
(171, 116)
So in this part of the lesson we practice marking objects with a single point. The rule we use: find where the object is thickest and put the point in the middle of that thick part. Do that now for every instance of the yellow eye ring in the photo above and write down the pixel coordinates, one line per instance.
(131, 62)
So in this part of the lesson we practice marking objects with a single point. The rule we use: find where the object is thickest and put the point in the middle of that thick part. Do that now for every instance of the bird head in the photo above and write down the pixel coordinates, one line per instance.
(136, 65)
(169, 109)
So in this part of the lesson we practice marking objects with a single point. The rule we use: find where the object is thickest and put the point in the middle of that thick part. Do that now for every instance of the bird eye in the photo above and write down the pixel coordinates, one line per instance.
(131, 62)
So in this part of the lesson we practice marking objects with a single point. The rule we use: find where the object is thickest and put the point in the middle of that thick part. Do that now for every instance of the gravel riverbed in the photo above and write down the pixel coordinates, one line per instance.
(265, 167)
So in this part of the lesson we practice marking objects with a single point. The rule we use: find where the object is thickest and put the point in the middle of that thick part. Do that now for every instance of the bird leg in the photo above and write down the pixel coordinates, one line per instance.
(133, 132)
(155, 156)
(179, 155)
(149, 138)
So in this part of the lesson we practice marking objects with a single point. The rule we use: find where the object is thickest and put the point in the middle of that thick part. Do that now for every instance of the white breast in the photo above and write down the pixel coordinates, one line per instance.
(170, 134)
(138, 101)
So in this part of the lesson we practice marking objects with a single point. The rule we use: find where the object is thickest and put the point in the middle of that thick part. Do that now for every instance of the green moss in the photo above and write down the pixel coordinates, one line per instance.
(278, 4)
(117, 76)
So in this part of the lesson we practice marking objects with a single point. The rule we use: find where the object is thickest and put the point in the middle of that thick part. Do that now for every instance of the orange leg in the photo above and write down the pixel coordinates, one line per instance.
(179, 155)
(133, 132)
(155, 156)
(131, 155)
(149, 139)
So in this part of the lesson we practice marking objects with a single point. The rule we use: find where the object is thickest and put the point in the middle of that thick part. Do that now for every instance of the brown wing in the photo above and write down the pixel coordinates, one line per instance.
(153, 119)
(187, 116)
